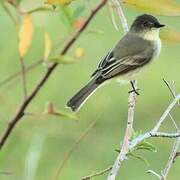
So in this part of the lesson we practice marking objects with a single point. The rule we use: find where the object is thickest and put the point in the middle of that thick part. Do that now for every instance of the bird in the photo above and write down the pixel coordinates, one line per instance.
(135, 50)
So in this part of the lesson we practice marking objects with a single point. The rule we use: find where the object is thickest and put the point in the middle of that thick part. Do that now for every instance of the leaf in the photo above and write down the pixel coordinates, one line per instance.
(25, 35)
(62, 2)
(159, 7)
(138, 157)
(79, 53)
(145, 145)
(154, 173)
(41, 9)
(169, 35)
(67, 16)
(51, 110)
(63, 59)
(48, 45)
(66, 114)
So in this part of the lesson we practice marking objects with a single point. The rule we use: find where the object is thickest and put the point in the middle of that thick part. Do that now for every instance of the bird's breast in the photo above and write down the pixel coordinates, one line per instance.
(157, 47)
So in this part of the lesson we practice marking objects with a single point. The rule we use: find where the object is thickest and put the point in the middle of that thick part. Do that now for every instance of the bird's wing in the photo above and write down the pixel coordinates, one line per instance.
(126, 56)
(124, 66)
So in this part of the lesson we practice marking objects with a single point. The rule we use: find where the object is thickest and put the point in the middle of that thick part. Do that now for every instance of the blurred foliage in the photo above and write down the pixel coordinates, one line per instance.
(170, 35)
(38, 144)
(160, 7)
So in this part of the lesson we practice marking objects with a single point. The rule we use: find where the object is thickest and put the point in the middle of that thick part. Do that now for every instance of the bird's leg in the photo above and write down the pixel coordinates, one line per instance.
(134, 88)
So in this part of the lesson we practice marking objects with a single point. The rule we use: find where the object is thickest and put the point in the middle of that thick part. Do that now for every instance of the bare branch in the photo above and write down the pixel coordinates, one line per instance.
(117, 4)
(165, 114)
(153, 133)
(176, 145)
(23, 74)
(132, 145)
(166, 170)
(174, 122)
(172, 90)
(25, 104)
(111, 12)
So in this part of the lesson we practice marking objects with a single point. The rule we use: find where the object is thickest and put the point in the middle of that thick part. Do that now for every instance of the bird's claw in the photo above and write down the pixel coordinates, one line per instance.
(135, 91)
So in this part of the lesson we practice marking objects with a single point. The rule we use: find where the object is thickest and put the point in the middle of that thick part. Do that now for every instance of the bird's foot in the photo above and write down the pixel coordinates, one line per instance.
(134, 89)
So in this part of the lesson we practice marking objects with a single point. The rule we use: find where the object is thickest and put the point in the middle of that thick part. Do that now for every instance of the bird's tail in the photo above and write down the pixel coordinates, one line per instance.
(80, 97)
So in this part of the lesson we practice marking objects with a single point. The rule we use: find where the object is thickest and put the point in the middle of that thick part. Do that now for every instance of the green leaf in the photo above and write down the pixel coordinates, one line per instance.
(159, 7)
(66, 115)
(63, 59)
(41, 9)
(67, 16)
(146, 146)
(138, 157)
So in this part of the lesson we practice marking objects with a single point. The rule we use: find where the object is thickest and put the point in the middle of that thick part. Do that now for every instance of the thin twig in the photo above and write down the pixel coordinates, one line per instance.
(111, 12)
(174, 122)
(176, 144)
(117, 4)
(9, 13)
(43, 80)
(154, 173)
(172, 91)
(165, 114)
(23, 73)
(166, 170)
(99, 173)
(133, 144)
(17, 74)
(72, 148)
(147, 135)
(169, 87)
(153, 133)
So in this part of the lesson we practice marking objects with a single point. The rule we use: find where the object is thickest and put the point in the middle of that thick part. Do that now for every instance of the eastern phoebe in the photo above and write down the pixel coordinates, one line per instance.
(134, 51)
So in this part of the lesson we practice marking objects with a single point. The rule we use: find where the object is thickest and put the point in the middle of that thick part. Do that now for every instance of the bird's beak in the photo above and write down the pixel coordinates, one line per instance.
(161, 25)
(158, 25)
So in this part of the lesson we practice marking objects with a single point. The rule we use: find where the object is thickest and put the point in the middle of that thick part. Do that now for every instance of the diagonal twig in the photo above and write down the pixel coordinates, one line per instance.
(43, 80)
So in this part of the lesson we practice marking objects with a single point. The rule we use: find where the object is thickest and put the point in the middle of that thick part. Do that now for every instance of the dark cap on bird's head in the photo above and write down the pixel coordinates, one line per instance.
(145, 22)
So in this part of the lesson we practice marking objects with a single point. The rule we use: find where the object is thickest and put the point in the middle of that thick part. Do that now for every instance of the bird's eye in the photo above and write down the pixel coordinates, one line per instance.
(145, 24)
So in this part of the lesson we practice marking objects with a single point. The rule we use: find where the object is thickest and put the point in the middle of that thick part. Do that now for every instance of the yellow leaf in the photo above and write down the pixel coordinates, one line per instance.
(25, 35)
(63, 2)
(159, 7)
(169, 35)
(79, 52)
(48, 45)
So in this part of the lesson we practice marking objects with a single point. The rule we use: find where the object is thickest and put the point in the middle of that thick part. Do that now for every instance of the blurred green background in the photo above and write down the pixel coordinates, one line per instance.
(38, 144)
